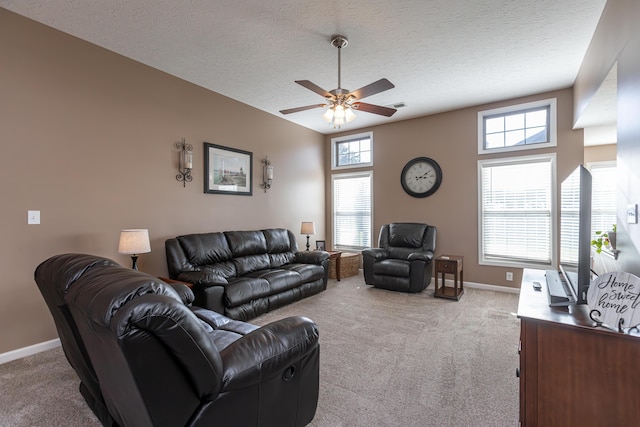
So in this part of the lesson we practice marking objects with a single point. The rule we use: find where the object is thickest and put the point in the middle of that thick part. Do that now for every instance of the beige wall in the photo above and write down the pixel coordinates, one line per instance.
(617, 39)
(451, 139)
(87, 139)
(600, 153)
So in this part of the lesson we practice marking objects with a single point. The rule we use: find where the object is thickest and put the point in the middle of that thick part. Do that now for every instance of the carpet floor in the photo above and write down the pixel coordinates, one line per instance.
(386, 359)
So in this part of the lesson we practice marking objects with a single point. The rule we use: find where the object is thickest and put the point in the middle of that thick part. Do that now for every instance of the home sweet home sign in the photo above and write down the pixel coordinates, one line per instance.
(615, 300)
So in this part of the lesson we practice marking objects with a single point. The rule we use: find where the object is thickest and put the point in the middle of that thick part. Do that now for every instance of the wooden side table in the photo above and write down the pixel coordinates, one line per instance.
(449, 264)
(168, 280)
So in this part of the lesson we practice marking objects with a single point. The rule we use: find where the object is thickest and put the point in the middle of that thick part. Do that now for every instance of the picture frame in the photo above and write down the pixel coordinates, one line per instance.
(227, 170)
(321, 245)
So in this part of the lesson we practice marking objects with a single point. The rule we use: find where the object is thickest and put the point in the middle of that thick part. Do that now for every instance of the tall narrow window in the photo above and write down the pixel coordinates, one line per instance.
(604, 183)
(516, 211)
(352, 210)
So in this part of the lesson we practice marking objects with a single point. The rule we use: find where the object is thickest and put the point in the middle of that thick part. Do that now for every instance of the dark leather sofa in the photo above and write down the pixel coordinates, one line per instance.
(243, 274)
(147, 358)
(403, 260)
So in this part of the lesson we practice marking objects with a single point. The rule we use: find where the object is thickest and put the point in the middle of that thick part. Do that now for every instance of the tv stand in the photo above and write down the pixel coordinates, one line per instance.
(572, 373)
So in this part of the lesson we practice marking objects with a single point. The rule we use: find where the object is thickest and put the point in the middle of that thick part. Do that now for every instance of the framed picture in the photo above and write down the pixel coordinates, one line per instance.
(227, 170)
(320, 245)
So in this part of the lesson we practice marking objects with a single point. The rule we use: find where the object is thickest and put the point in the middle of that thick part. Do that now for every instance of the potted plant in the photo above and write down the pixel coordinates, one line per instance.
(605, 239)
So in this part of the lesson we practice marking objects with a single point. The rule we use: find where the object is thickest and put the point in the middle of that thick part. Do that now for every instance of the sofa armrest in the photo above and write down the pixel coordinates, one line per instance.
(267, 351)
(426, 256)
(222, 323)
(186, 295)
(375, 253)
(312, 257)
(202, 279)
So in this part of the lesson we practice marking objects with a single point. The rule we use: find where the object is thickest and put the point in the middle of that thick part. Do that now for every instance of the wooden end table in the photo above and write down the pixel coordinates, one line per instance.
(168, 280)
(449, 264)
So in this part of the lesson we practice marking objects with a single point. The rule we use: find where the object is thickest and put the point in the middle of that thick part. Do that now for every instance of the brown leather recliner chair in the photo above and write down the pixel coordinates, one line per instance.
(403, 260)
(159, 362)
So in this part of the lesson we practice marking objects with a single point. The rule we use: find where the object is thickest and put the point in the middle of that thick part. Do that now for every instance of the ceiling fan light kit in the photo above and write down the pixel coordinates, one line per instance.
(340, 102)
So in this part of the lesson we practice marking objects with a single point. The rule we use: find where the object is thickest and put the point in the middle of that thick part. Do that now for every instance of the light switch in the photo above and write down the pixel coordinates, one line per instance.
(33, 217)
(632, 214)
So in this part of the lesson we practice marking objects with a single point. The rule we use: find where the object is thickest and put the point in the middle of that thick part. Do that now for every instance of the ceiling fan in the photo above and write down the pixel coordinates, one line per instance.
(342, 102)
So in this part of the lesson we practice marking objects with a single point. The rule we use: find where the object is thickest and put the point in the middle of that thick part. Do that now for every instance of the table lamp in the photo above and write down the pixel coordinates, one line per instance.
(308, 228)
(134, 242)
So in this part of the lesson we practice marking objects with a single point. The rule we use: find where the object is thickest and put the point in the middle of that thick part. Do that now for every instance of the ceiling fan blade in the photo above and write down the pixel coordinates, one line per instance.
(314, 88)
(375, 109)
(373, 88)
(298, 109)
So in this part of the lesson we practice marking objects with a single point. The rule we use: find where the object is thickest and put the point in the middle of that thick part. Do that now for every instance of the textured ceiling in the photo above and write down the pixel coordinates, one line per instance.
(440, 54)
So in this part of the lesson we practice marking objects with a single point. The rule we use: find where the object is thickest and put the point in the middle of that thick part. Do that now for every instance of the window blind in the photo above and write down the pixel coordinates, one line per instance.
(604, 183)
(352, 202)
(516, 211)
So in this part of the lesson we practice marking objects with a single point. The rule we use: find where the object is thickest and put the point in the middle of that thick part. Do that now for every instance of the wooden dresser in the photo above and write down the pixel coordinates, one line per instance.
(572, 374)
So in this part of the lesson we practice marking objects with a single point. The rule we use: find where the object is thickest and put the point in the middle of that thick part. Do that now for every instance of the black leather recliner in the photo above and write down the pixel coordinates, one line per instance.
(156, 361)
(54, 279)
(403, 260)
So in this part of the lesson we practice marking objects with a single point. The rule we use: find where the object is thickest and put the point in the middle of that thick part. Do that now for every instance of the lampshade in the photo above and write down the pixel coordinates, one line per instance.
(308, 228)
(338, 115)
(134, 241)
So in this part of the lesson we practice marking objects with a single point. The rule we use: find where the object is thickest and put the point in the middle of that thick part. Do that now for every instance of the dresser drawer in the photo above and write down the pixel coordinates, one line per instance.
(446, 266)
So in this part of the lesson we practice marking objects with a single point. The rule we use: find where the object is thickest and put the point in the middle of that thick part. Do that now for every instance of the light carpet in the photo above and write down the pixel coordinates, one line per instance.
(386, 359)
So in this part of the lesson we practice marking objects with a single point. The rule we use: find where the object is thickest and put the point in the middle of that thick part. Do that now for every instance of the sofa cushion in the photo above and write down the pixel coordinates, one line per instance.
(224, 269)
(243, 289)
(243, 243)
(392, 267)
(406, 235)
(205, 248)
(269, 282)
(307, 272)
(279, 280)
(281, 259)
(278, 241)
(248, 264)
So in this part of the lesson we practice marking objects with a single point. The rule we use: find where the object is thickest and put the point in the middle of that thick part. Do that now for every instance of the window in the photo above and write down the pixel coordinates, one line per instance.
(352, 151)
(352, 210)
(604, 184)
(516, 211)
(518, 127)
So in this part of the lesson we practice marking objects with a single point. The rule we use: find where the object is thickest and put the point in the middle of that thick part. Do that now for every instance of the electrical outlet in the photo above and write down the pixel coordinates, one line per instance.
(509, 276)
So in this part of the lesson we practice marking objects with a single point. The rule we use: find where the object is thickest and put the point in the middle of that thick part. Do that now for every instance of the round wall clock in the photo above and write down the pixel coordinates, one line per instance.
(421, 177)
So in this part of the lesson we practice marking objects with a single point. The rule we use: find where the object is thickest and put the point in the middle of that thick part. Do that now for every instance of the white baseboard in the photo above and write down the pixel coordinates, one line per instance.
(481, 286)
(487, 287)
(28, 351)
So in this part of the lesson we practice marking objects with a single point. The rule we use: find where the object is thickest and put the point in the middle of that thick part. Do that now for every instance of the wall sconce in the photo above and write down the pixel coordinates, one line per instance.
(134, 242)
(308, 228)
(267, 174)
(185, 162)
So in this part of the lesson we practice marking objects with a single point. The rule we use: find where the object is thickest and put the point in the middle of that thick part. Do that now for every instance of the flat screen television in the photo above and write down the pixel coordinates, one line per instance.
(575, 232)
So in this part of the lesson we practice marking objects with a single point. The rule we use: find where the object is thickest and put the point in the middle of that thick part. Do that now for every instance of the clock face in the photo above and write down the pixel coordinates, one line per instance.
(421, 177)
